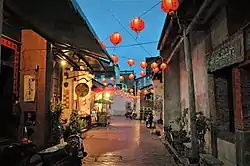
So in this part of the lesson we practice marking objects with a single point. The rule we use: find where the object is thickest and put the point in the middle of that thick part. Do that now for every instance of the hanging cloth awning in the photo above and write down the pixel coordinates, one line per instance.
(59, 21)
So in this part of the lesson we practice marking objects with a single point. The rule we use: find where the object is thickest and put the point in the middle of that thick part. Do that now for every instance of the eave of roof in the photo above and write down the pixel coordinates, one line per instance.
(58, 21)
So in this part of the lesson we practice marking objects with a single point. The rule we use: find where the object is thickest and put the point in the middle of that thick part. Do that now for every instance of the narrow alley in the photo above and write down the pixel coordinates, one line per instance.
(125, 143)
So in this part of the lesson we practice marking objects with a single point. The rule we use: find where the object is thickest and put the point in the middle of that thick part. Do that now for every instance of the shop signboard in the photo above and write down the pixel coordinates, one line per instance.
(228, 53)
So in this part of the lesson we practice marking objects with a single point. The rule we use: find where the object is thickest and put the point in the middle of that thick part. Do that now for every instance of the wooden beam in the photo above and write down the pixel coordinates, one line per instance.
(85, 61)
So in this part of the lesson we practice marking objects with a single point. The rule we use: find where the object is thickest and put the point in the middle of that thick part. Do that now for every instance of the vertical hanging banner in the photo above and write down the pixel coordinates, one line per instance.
(29, 88)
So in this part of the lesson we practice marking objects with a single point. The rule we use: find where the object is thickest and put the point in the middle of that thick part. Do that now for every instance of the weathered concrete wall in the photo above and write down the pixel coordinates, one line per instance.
(158, 98)
(33, 52)
(172, 91)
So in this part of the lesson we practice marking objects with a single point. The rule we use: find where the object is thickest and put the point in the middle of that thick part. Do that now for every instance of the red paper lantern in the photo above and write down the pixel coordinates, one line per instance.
(155, 70)
(142, 73)
(152, 91)
(104, 80)
(112, 79)
(115, 38)
(163, 66)
(169, 6)
(145, 92)
(143, 64)
(137, 25)
(105, 84)
(154, 65)
(131, 76)
(121, 78)
(139, 91)
(131, 62)
(114, 58)
(131, 90)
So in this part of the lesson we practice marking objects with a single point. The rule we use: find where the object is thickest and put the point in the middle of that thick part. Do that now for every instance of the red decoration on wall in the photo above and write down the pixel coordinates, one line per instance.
(115, 38)
(238, 103)
(154, 65)
(137, 25)
(131, 62)
(142, 73)
(169, 6)
(163, 66)
(115, 59)
(131, 76)
(7, 43)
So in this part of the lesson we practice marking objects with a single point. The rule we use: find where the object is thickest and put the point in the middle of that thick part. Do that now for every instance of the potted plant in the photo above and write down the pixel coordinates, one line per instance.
(56, 129)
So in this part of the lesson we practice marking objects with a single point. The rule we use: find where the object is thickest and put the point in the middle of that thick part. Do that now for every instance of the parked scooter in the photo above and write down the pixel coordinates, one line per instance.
(74, 138)
(17, 153)
(76, 141)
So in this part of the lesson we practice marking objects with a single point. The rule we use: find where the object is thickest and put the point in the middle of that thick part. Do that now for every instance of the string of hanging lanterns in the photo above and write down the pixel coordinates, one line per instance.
(137, 25)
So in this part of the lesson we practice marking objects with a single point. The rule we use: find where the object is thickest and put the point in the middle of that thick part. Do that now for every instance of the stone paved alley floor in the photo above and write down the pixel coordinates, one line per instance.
(125, 143)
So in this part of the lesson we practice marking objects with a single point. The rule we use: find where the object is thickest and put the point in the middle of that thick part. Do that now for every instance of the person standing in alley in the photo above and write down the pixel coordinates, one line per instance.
(150, 119)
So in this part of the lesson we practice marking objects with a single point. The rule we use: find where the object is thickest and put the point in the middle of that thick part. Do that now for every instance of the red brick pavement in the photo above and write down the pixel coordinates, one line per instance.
(125, 143)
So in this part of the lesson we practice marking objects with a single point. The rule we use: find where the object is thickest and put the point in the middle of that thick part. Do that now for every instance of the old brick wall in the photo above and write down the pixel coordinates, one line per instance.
(33, 52)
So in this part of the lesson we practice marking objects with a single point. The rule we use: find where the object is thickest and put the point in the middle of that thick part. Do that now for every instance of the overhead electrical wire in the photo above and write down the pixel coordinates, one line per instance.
(129, 33)
(143, 14)
(132, 45)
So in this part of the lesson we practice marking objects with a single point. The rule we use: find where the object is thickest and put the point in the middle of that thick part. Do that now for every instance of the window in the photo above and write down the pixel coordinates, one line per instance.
(224, 104)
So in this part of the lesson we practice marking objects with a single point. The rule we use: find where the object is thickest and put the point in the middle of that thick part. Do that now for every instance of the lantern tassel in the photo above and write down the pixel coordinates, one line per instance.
(137, 34)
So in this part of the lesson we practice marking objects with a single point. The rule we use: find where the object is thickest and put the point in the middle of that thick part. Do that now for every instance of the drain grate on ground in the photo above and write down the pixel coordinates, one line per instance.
(108, 158)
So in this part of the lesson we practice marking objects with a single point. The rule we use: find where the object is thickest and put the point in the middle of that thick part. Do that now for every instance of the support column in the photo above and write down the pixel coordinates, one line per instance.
(165, 98)
(1, 27)
(48, 93)
(191, 94)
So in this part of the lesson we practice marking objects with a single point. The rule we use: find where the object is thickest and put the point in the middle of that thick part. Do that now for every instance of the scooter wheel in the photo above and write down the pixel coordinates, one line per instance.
(78, 162)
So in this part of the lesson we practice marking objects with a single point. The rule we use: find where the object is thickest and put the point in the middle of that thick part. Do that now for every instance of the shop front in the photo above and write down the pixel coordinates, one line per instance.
(102, 101)
(58, 58)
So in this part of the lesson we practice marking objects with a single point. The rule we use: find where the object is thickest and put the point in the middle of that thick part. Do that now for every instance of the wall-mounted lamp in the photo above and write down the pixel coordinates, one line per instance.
(63, 62)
